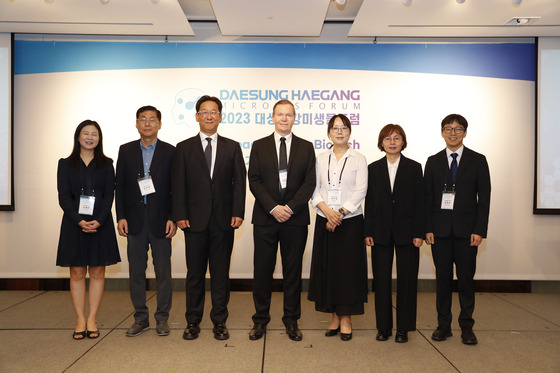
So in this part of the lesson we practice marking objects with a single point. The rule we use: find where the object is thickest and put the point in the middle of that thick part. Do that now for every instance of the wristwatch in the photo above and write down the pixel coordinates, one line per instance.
(341, 210)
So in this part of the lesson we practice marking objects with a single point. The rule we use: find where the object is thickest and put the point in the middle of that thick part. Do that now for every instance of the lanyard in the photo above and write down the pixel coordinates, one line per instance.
(329, 171)
(92, 179)
(447, 179)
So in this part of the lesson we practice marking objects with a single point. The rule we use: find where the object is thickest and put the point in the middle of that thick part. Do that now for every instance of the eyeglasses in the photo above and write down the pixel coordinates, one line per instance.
(145, 120)
(457, 130)
(205, 113)
(390, 139)
(340, 129)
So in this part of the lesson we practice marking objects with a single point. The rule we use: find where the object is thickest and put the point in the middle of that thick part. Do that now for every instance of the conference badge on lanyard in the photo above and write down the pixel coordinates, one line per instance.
(146, 185)
(334, 197)
(447, 198)
(283, 174)
(87, 204)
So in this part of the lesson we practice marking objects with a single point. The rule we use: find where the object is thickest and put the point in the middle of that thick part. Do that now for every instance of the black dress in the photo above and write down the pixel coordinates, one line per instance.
(76, 248)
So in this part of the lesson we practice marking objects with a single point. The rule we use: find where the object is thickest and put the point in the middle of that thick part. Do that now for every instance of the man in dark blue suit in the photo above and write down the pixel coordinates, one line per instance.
(209, 186)
(143, 202)
(457, 201)
(282, 179)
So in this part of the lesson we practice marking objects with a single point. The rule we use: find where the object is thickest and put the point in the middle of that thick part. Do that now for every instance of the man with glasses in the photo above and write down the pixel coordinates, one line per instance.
(457, 200)
(143, 202)
(209, 185)
(282, 179)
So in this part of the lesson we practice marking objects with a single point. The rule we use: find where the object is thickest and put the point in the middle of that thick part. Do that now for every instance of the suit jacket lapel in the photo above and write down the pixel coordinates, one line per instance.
(271, 150)
(444, 164)
(401, 170)
(386, 180)
(139, 160)
(199, 153)
(463, 163)
(155, 158)
(293, 150)
(220, 155)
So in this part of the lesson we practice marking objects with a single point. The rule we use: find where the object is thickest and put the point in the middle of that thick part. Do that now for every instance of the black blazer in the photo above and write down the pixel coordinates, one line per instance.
(399, 213)
(264, 180)
(196, 195)
(69, 186)
(129, 200)
(472, 196)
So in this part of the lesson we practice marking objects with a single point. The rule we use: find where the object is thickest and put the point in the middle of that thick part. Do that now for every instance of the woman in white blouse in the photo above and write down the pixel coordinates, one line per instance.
(338, 281)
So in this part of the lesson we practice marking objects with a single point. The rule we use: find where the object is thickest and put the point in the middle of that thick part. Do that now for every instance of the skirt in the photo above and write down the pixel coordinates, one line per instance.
(338, 279)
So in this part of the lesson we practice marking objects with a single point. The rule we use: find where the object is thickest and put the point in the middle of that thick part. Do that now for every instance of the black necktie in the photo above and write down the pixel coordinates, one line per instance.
(283, 161)
(208, 154)
(454, 167)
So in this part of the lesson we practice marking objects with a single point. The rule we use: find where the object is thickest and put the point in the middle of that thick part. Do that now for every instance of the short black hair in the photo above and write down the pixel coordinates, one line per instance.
(205, 98)
(452, 118)
(148, 108)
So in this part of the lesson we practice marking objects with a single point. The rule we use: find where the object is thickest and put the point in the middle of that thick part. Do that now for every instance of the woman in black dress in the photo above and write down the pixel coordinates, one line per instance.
(394, 223)
(87, 240)
(338, 280)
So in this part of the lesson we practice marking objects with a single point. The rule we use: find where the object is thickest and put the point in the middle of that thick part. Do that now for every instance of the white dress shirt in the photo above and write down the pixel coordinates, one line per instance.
(393, 171)
(353, 183)
(214, 142)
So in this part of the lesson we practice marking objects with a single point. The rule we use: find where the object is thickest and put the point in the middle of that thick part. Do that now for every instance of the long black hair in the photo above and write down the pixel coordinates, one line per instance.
(98, 156)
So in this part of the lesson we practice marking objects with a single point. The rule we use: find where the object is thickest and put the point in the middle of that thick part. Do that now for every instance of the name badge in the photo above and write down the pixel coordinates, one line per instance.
(146, 185)
(334, 197)
(447, 200)
(86, 205)
(283, 174)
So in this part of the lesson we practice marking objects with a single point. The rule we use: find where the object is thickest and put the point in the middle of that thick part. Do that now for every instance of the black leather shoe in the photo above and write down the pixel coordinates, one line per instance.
(220, 332)
(294, 333)
(191, 332)
(332, 332)
(345, 336)
(383, 335)
(442, 333)
(257, 332)
(468, 337)
(401, 337)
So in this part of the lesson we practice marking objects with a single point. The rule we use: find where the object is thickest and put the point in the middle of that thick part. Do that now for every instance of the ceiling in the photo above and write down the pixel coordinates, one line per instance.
(283, 18)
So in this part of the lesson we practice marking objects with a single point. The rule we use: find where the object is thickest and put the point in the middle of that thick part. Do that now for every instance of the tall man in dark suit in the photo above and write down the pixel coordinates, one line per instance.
(143, 202)
(282, 179)
(457, 200)
(209, 184)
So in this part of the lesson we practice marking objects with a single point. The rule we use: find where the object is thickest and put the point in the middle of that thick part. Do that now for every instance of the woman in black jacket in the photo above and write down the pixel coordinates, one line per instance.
(394, 222)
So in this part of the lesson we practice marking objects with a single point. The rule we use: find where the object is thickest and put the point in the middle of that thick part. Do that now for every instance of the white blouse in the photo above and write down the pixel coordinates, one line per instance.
(350, 174)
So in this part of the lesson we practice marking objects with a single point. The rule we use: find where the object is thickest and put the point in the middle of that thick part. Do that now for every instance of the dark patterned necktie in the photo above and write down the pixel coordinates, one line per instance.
(208, 154)
(454, 167)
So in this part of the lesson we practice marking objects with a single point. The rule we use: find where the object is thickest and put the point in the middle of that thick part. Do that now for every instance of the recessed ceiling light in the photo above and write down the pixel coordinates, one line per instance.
(460, 1)
(407, 2)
